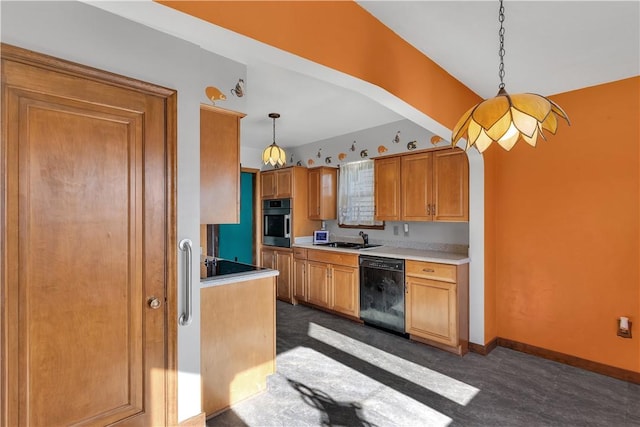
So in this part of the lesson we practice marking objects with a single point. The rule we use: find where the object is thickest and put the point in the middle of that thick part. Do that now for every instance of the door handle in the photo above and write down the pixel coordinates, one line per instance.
(186, 316)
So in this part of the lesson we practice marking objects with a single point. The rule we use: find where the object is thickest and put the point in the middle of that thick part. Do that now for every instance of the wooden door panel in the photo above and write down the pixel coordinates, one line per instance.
(80, 278)
(416, 174)
(387, 189)
(89, 218)
(345, 290)
(451, 186)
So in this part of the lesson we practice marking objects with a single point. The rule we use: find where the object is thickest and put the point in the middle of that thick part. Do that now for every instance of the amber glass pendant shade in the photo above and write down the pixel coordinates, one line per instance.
(507, 118)
(273, 154)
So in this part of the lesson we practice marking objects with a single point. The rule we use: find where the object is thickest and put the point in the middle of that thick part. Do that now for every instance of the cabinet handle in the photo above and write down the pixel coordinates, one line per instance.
(428, 270)
(433, 209)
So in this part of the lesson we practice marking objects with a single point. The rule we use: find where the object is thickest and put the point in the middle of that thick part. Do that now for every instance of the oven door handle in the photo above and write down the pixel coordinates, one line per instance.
(287, 226)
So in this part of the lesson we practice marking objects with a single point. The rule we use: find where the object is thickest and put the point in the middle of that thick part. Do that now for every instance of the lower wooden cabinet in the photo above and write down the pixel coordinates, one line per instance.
(437, 304)
(300, 274)
(281, 260)
(333, 281)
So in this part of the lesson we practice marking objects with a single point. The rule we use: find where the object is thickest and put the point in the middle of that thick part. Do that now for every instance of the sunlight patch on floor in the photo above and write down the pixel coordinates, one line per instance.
(450, 388)
(329, 390)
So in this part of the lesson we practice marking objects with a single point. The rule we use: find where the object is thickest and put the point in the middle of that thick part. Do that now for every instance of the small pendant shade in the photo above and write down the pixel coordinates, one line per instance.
(273, 154)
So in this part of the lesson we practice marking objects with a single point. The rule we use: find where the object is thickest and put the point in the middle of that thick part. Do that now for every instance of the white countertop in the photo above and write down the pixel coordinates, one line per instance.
(227, 279)
(393, 252)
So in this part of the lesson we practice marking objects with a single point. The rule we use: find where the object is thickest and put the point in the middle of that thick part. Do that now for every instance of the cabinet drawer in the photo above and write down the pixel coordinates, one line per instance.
(300, 253)
(338, 258)
(431, 270)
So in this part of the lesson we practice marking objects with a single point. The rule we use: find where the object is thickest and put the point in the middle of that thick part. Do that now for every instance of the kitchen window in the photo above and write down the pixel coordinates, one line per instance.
(356, 203)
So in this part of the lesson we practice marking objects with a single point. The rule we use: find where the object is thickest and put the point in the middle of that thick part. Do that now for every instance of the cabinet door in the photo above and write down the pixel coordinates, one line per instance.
(345, 290)
(299, 279)
(451, 186)
(267, 258)
(431, 310)
(284, 184)
(314, 193)
(387, 189)
(268, 185)
(416, 187)
(284, 264)
(318, 284)
(219, 166)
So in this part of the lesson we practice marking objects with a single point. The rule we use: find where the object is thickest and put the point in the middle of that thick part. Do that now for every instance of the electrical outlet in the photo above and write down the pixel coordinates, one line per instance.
(624, 332)
(395, 230)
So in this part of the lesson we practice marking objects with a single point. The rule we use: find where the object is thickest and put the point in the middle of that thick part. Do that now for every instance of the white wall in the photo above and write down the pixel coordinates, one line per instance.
(87, 35)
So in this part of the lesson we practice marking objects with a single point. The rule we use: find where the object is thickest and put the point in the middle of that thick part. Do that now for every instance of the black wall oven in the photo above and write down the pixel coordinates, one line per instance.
(276, 222)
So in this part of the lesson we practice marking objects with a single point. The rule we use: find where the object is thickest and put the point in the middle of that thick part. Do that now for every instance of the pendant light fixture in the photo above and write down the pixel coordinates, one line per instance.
(273, 154)
(505, 118)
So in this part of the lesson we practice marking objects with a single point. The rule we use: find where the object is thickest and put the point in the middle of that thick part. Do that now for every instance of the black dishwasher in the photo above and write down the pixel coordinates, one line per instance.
(382, 292)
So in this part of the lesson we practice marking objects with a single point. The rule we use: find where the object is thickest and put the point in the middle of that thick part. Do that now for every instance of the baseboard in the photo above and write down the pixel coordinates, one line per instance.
(599, 368)
(483, 349)
(199, 420)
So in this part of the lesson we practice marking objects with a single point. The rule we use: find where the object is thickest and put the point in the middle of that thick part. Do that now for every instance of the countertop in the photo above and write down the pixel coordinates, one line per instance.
(237, 277)
(394, 252)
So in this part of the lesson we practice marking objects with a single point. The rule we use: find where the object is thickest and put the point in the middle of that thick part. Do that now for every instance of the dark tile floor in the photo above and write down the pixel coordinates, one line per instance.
(334, 372)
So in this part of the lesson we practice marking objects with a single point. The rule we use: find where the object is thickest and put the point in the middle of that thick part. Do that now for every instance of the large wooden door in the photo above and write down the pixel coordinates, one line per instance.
(87, 246)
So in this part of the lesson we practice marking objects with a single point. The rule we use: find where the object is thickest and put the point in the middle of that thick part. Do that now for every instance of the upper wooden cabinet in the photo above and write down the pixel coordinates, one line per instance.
(387, 189)
(277, 184)
(424, 186)
(219, 165)
(322, 193)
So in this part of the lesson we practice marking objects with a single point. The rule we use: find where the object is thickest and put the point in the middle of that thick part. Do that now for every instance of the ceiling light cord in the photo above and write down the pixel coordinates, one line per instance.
(501, 50)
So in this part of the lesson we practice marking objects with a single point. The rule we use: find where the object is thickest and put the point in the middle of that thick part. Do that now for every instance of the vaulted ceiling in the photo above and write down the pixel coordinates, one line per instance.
(551, 47)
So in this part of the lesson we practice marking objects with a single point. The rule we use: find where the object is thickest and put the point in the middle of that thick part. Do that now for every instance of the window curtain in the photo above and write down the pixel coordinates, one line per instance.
(355, 194)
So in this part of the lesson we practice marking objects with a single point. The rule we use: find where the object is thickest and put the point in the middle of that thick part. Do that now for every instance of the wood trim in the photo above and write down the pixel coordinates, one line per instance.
(249, 170)
(426, 150)
(171, 384)
(41, 60)
(599, 368)
(483, 349)
(199, 420)
(222, 110)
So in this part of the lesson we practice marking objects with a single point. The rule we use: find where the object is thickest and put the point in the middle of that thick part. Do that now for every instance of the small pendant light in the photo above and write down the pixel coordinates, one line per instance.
(273, 154)
(506, 118)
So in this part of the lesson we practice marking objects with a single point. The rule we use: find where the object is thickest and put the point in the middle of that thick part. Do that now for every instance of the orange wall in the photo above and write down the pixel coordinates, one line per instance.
(345, 37)
(567, 227)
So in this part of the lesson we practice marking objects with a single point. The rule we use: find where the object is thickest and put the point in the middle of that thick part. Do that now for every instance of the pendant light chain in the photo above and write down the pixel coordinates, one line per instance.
(274, 130)
(501, 50)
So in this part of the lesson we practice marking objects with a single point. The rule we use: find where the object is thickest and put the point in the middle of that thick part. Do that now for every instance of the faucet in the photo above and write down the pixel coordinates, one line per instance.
(365, 237)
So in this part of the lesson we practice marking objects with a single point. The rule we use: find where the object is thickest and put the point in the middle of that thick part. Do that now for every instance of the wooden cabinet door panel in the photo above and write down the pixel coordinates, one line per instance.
(345, 290)
(299, 279)
(451, 186)
(432, 310)
(387, 189)
(89, 246)
(219, 166)
(318, 284)
(314, 193)
(284, 261)
(416, 187)
(284, 184)
(268, 185)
